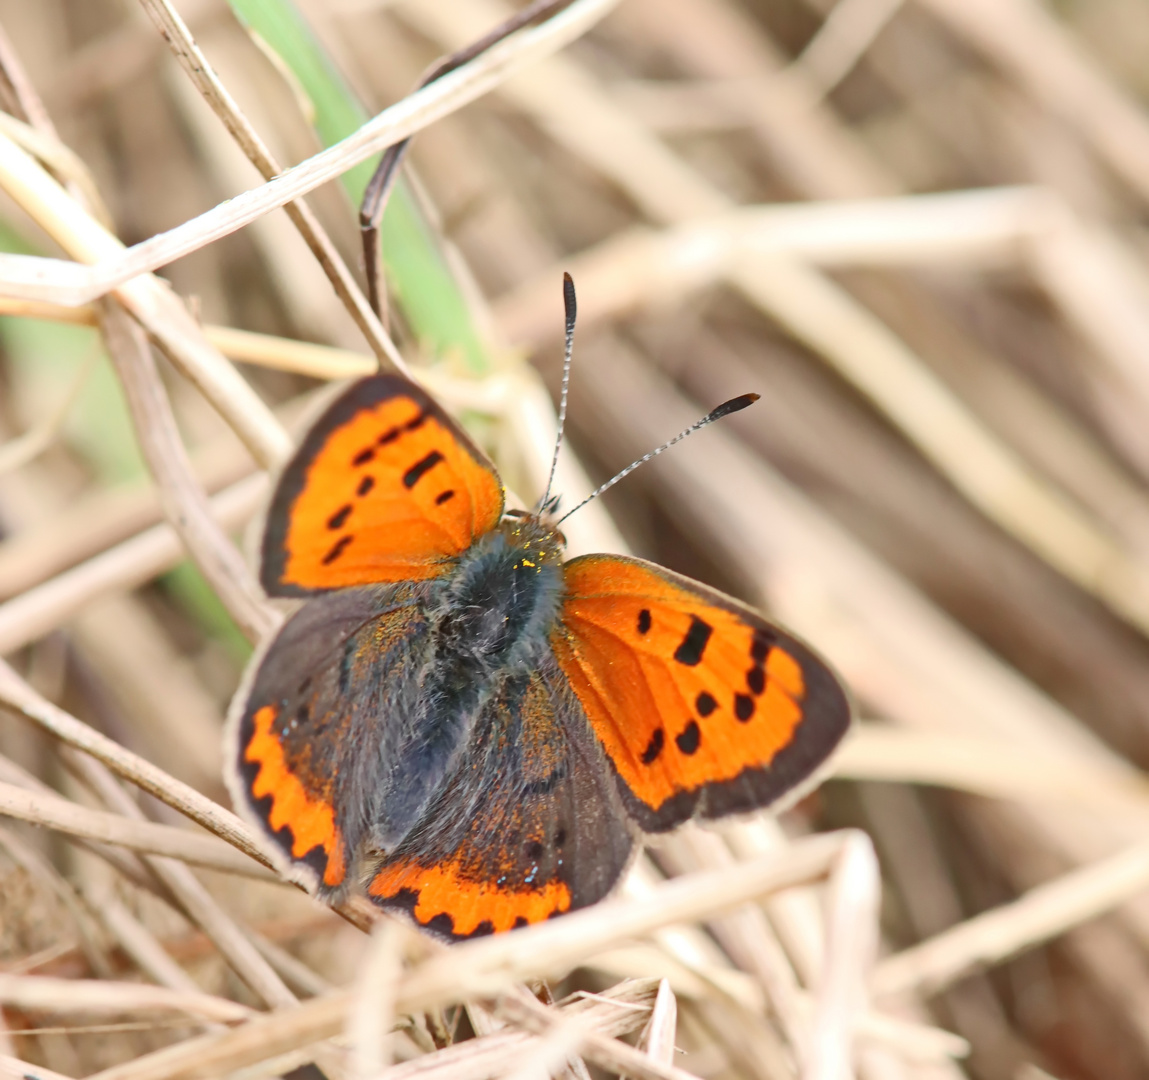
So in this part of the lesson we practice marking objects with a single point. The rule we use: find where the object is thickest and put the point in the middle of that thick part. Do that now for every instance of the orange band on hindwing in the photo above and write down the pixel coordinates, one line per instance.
(310, 821)
(430, 893)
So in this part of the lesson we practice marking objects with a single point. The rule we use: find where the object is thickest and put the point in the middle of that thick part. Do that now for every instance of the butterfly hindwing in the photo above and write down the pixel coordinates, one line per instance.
(526, 828)
(385, 487)
(306, 736)
(703, 707)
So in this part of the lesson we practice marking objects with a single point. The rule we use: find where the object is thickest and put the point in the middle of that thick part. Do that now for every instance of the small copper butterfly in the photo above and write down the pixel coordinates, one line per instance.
(472, 727)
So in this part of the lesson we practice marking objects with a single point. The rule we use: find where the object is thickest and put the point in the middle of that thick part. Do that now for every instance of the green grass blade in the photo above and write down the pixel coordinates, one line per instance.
(419, 276)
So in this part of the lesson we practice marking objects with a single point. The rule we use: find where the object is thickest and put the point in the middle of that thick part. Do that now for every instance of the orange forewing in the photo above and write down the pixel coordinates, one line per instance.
(386, 487)
(690, 693)
(446, 889)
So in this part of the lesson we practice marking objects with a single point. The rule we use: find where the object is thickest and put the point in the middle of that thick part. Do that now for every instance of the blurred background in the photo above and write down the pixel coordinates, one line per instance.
(915, 227)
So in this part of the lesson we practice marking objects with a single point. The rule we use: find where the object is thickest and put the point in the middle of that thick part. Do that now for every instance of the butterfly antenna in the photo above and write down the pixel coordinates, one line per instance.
(725, 409)
(571, 306)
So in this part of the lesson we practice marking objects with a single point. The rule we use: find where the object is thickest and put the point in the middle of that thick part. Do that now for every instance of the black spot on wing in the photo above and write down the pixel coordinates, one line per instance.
(420, 469)
(760, 646)
(388, 437)
(705, 704)
(689, 738)
(654, 747)
(416, 422)
(693, 645)
(756, 680)
(339, 518)
(337, 549)
(365, 485)
(644, 621)
(533, 850)
(743, 707)
(363, 456)
(444, 497)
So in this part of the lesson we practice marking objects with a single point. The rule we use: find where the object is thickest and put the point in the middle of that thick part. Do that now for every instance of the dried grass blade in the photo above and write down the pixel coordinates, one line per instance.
(146, 836)
(1042, 913)
(102, 996)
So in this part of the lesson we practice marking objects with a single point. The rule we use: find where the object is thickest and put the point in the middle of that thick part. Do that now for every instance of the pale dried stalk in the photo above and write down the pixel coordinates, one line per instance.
(525, 1012)
(119, 569)
(205, 80)
(851, 945)
(38, 866)
(141, 945)
(893, 646)
(842, 40)
(580, 115)
(153, 304)
(125, 862)
(184, 503)
(373, 1005)
(50, 280)
(69, 817)
(102, 518)
(616, 1012)
(17, 695)
(555, 1053)
(986, 767)
(21, 90)
(642, 267)
(247, 346)
(1023, 38)
(993, 936)
(105, 997)
(296, 974)
(197, 903)
(658, 1038)
(747, 938)
(485, 967)
(61, 160)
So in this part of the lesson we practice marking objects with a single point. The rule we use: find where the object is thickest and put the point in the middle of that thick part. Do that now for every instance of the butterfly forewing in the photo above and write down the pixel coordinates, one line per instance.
(385, 487)
(703, 707)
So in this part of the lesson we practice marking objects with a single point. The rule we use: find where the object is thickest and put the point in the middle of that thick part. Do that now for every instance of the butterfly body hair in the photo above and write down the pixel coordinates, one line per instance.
(487, 623)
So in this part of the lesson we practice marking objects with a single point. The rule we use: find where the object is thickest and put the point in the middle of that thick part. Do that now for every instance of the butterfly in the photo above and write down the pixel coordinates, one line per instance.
(473, 729)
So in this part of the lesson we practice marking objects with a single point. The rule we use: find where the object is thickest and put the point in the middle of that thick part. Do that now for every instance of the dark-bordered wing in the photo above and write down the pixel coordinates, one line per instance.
(306, 731)
(528, 826)
(703, 707)
(385, 487)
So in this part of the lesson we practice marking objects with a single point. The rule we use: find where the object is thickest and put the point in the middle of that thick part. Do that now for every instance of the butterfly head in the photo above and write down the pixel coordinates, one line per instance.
(535, 536)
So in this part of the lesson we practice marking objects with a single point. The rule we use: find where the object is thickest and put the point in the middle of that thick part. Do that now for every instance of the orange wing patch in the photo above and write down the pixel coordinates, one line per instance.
(431, 893)
(690, 694)
(311, 821)
(385, 487)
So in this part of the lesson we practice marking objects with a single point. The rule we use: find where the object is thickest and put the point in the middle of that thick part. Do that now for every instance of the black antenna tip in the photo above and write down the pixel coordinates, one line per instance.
(732, 406)
(569, 301)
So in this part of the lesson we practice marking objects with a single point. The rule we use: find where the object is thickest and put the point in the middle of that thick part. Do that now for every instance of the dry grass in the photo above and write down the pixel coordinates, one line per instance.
(915, 227)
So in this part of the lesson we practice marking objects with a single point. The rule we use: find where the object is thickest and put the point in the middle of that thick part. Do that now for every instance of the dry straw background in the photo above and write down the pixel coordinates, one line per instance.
(916, 227)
